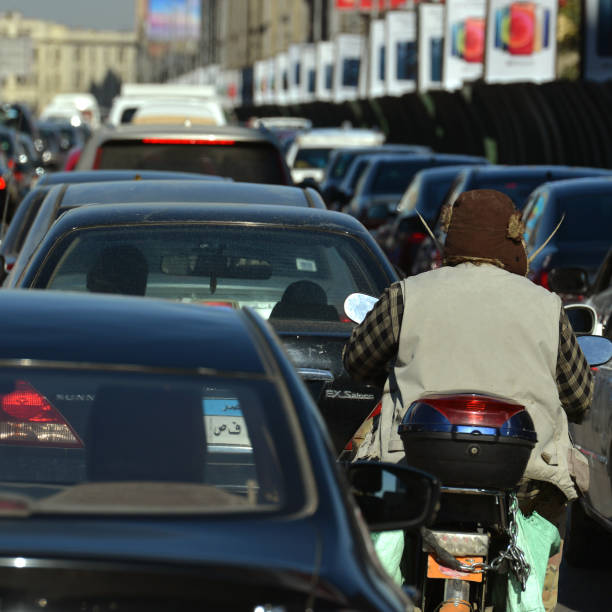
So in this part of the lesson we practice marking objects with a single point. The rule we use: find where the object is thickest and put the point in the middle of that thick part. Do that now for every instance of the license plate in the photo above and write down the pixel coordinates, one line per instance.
(225, 424)
(435, 570)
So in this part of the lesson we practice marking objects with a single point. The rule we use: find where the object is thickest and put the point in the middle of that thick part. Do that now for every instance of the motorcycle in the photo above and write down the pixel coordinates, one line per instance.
(478, 447)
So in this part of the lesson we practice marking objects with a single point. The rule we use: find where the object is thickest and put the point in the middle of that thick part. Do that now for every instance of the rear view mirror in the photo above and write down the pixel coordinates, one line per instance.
(393, 496)
(574, 281)
(582, 318)
(596, 349)
(216, 265)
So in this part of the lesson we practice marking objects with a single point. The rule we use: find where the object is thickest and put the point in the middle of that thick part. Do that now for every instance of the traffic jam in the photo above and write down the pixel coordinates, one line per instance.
(331, 331)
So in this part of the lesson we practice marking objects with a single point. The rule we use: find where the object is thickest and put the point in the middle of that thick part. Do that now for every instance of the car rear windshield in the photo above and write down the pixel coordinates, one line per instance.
(312, 158)
(138, 442)
(393, 177)
(588, 218)
(280, 272)
(253, 162)
(518, 191)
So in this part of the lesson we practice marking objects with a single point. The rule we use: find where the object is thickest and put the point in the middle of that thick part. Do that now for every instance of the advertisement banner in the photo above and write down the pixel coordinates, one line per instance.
(369, 5)
(281, 79)
(464, 42)
(308, 82)
(229, 88)
(325, 70)
(431, 41)
(295, 73)
(597, 55)
(346, 66)
(173, 20)
(521, 41)
(259, 82)
(401, 43)
(377, 51)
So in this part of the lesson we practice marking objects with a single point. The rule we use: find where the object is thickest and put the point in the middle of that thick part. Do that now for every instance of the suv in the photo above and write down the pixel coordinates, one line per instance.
(239, 153)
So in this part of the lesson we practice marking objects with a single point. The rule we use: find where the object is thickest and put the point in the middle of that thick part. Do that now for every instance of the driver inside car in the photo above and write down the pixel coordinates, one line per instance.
(478, 323)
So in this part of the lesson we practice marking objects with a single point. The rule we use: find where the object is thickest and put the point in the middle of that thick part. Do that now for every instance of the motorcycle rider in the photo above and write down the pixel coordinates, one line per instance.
(477, 324)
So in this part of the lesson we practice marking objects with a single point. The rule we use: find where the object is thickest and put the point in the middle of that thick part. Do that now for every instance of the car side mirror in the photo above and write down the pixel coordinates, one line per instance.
(393, 496)
(582, 318)
(573, 281)
(596, 349)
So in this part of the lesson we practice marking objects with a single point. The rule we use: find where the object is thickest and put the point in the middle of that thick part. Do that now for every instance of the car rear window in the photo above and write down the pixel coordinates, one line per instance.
(280, 272)
(588, 218)
(312, 158)
(517, 190)
(393, 177)
(140, 442)
(254, 162)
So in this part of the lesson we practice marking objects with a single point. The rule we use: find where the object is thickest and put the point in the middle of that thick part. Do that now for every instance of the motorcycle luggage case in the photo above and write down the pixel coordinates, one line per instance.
(469, 440)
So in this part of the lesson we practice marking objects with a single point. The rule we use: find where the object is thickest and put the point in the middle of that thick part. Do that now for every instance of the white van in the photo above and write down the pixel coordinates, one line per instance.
(308, 155)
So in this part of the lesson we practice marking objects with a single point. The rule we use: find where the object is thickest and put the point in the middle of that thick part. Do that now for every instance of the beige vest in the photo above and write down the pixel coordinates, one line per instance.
(479, 329)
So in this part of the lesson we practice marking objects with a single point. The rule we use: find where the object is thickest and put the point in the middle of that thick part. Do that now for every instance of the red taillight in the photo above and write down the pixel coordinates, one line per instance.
(2, 183)
(470, 409)
(221, 304)
(415, 238)
(10, 163)
(189, 141)
(9, 266)
(27, 417)
(541, 278)
(97, 159)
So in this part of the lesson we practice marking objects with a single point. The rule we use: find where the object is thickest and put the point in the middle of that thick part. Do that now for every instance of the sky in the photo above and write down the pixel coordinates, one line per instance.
(103, 14)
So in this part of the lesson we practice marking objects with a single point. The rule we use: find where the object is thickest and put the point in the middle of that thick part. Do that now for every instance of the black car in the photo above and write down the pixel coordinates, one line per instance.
(241, 153)
(517, 182)
(341, 159)
(294, 265)
(65, 196)
(583, 237)
(162, 456)
(386, 178)
(9, 190)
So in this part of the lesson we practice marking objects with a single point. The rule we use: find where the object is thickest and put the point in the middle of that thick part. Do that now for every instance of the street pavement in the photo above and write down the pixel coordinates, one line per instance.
(585, 590)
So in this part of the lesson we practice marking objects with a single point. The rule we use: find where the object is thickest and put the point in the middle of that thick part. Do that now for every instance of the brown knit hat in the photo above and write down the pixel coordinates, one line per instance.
(484, 226)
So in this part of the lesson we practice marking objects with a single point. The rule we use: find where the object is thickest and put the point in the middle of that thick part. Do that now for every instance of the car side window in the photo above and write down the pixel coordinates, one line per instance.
(533, 215)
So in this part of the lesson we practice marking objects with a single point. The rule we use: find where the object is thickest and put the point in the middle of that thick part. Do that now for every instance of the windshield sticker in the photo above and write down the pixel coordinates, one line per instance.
(305, 265)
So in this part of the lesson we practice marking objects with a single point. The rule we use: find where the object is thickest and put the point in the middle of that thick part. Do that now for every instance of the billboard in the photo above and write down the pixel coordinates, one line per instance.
(430, 35)
(464, 42)
(173, 20)
(325, 70)
(597, 54)
(521, 41)
(346, 66)
(308, 83)
(377, 50)
(401, 43)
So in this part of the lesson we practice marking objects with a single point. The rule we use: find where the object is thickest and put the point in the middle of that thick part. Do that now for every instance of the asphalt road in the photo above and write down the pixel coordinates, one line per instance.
(585, 590)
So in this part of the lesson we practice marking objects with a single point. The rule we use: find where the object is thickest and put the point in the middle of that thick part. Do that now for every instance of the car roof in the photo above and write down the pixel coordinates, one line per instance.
(578, 186)
(175, 191)
(518, 172)
(438, 172)
(137, 132)
(98, 176)
(99, 329)
(164, 212)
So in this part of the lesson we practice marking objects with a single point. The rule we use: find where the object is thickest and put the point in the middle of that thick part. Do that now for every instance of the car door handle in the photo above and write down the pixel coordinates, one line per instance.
(314, 374)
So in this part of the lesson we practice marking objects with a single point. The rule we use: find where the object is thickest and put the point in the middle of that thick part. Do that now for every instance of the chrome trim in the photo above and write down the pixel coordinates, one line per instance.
(314, 374)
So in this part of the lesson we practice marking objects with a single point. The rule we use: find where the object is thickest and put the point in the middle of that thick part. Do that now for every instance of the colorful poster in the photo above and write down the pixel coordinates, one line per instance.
(430, 37)
(346, 66)
(401, 44)
(464, 42)
(377, 50)
(169, 20)
(521, 41)
(229, 87)
(597, 54)
(308, 82)
(325, 70)
(281, 89)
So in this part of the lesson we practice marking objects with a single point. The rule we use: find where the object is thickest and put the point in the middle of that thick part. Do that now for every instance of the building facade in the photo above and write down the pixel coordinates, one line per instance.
(61, 59)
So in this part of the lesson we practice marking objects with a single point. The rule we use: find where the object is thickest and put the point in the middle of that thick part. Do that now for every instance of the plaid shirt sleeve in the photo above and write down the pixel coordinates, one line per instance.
(574, 378)
(374, 342)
